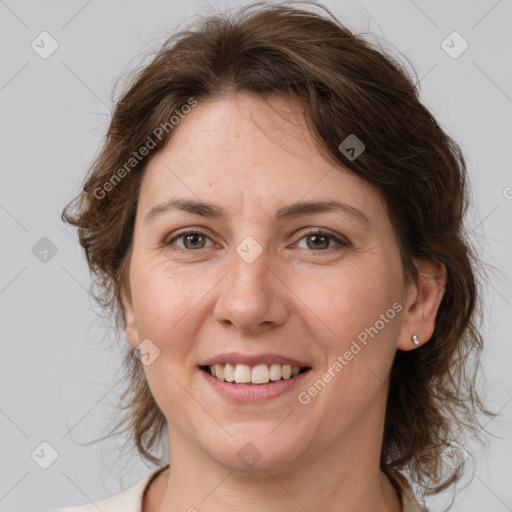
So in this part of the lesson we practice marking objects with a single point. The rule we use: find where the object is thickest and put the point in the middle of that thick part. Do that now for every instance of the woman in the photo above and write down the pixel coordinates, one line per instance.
(277, 223)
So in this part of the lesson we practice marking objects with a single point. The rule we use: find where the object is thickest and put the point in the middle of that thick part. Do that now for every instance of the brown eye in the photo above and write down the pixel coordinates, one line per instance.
(192, 240)
(319, 241)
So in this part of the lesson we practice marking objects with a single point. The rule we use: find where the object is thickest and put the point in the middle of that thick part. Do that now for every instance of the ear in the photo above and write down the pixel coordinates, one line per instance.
(422, 301)
(132, 334)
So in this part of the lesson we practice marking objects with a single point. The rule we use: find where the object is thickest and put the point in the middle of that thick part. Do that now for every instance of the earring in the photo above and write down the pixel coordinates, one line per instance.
(415, 340)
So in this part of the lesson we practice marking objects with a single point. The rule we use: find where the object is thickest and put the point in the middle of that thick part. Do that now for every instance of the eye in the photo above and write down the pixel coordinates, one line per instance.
(192, 240)
(319, 240)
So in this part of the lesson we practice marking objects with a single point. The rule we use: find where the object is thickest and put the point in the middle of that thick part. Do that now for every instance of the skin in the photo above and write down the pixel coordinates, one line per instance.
(293, 299)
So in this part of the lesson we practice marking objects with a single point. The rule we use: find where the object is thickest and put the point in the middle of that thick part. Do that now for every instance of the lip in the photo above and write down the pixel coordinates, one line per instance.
(256, 393)
(253, 360)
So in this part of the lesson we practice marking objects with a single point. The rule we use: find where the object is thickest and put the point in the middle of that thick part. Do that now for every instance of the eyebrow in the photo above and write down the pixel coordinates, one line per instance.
(291, 211)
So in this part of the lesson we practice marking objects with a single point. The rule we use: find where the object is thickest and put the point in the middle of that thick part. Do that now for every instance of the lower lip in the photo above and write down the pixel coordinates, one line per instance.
(246, 393)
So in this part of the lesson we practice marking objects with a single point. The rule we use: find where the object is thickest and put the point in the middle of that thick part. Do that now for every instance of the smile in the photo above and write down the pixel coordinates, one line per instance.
(258, 374)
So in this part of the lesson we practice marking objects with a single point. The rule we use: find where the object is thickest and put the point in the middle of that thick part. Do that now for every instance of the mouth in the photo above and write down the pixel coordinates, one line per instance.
(258, 374)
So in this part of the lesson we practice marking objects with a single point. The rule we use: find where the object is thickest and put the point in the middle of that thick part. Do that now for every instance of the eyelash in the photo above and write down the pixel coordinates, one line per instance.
(311, 231)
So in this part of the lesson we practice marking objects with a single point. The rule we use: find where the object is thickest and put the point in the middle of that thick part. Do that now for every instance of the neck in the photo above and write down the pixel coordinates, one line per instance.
(319, 482)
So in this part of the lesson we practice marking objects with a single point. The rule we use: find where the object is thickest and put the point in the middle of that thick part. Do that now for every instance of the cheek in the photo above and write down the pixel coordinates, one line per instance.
(347, 300)
(162, 300)
(359, 344)
(164, 303)
(168, 306)
(171, 305)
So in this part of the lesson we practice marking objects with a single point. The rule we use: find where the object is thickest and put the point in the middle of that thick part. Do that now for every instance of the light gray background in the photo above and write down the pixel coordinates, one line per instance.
(59, 365)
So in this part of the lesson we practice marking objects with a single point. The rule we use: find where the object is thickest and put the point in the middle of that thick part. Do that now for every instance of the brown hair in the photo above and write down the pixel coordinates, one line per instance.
(346, 85)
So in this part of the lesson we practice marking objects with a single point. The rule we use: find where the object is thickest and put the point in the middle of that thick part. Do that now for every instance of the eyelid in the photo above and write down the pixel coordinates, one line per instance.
(187, 231)
(323, 231)
(340, 239)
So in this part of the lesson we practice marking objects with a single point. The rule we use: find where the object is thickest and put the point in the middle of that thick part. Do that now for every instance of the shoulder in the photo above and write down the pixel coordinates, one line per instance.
(128, 500)
(404, 490)
(410, 503)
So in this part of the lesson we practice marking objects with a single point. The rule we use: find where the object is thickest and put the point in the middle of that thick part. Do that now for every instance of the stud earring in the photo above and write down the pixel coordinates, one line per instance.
(415, 340)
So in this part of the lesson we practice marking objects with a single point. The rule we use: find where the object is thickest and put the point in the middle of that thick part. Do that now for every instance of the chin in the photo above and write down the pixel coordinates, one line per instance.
(256, 452)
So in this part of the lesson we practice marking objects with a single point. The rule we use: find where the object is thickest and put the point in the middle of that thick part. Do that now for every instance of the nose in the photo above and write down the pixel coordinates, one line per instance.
(253, 296)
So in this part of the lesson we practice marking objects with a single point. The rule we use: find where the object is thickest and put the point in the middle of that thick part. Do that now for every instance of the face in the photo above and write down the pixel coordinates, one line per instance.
(255, 287)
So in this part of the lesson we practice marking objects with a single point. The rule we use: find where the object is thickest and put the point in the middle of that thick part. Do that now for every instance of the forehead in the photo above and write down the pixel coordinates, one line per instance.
(241, 149)
(242, 126)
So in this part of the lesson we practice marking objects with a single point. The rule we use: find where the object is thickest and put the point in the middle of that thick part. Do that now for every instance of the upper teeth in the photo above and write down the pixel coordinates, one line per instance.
(259, 374)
